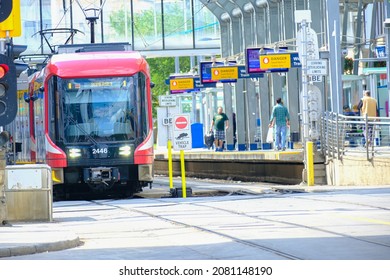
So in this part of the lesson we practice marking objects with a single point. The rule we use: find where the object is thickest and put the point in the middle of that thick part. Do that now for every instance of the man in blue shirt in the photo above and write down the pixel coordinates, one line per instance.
(280, 118)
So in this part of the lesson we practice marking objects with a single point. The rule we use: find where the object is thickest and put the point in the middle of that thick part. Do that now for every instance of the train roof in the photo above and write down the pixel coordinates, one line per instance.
(96, 64)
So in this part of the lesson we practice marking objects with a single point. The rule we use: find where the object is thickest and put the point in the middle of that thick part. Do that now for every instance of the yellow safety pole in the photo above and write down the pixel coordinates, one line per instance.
(183, 174)
(310, 163)
(170, 173)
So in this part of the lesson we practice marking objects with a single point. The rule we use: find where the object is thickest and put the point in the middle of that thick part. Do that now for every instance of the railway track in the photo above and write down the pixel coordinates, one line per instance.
(256, 219)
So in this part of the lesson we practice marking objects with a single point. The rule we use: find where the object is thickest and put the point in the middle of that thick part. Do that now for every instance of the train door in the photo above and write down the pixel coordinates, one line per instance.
(39, 120)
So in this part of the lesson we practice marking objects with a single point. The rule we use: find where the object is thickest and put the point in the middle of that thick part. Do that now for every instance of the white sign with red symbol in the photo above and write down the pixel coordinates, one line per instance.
(182, 138)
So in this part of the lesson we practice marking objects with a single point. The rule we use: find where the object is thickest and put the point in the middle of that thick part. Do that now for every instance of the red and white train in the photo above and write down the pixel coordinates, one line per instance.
(88, 115)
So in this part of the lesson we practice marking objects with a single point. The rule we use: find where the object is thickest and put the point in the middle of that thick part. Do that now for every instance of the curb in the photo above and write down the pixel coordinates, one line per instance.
(40, 248)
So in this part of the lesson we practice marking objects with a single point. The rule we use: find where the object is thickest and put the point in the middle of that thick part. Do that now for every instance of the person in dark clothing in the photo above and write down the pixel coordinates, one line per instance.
(234, 129)
(220, 122)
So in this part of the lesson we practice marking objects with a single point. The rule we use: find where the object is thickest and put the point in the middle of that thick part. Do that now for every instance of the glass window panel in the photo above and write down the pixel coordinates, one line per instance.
(30, 17)
(207, 31)
(178, 31)
(136, 21)
(117, 21)
(147, 25)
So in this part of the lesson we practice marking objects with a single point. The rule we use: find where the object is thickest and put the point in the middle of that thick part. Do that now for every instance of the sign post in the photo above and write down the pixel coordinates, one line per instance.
(182, 140)
(168, 101)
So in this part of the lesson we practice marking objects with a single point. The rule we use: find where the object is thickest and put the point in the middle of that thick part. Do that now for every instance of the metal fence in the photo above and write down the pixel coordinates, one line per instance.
(355, 135)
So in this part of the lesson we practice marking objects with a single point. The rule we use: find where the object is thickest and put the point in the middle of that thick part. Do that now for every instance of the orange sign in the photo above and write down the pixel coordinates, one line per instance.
(272, 61)
(181, 84)
(224, 73)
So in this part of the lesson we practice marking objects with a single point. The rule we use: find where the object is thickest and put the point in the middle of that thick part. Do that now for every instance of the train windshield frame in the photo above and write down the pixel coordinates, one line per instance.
(98, 109)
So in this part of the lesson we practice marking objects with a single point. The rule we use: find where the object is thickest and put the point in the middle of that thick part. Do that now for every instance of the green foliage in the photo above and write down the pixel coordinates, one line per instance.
(348, 66)
(380, 64)
(144, 23)
(160, 70)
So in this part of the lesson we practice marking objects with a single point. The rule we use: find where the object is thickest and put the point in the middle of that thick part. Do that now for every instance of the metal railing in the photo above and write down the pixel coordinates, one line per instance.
(346, 135)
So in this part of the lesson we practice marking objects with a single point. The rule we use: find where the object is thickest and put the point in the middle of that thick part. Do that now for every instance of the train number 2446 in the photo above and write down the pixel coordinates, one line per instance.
(99, 151)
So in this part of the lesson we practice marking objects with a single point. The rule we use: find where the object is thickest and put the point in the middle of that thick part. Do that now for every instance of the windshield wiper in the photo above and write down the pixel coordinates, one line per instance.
(72, 120)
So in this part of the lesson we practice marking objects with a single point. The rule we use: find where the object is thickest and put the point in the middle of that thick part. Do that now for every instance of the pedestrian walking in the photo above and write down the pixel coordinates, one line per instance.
(280, 118)
(369, 108)
(220, 122)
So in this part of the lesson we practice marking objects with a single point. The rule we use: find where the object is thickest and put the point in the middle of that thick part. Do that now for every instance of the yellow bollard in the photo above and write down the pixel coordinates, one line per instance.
(183, 174)
(170, 173)
(310, 163)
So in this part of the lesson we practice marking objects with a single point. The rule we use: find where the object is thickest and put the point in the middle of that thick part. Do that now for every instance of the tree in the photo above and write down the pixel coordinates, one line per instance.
(160, 70)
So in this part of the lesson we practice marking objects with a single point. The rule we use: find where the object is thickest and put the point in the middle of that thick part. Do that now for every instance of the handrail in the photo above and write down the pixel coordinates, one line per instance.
(346, 135)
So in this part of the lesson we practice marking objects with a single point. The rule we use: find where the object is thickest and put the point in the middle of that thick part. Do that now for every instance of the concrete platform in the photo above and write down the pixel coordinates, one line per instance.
(283, 167)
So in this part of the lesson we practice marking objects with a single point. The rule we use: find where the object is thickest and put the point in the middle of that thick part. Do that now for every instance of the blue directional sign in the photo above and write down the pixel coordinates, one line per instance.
(242, 74)
(295, 62)
(380, 51)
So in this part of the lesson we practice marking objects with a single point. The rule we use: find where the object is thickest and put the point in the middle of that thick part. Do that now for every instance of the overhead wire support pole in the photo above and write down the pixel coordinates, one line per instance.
(386, 29)
(306, 52)
(305, 116)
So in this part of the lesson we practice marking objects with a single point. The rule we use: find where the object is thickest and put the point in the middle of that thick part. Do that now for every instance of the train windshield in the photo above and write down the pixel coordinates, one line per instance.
(99, 109)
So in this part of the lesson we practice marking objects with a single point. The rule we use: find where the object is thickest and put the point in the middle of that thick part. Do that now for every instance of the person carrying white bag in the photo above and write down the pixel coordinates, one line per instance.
(270, 135)
(280, 118)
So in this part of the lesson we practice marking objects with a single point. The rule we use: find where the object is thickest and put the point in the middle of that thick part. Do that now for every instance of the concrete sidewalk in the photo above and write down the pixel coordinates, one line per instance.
(29, 238)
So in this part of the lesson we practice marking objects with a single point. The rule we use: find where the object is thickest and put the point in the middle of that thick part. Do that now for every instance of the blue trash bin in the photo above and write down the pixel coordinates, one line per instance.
(197, 135)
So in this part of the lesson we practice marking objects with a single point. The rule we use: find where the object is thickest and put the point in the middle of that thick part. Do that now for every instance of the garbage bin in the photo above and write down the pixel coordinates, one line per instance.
(294, 136)
(28, 192)
(197, 135)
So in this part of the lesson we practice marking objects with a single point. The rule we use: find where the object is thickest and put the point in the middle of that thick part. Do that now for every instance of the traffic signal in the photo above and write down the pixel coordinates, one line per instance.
(10, 20)
(5, 9)
(14, 52)
(8, 90)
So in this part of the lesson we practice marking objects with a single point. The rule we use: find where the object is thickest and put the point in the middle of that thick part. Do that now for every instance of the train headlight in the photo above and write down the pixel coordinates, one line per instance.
(125, 151)
(73, 153)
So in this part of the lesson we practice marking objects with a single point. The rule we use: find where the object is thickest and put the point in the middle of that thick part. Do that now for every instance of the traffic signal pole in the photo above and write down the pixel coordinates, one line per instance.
(10, 26)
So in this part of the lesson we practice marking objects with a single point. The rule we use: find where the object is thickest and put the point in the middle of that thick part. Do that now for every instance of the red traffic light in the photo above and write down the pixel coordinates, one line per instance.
(3, 70)
(8, 90)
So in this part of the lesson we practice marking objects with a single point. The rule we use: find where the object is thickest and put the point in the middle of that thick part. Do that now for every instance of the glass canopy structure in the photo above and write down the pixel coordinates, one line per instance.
(149, 25)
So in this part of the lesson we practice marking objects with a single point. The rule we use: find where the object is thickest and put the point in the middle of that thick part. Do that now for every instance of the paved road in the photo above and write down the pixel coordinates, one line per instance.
(254, 222)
